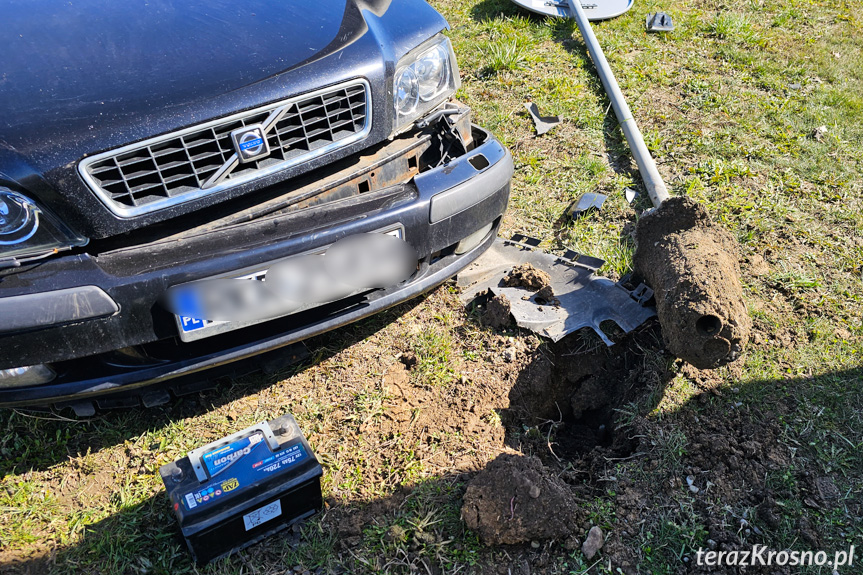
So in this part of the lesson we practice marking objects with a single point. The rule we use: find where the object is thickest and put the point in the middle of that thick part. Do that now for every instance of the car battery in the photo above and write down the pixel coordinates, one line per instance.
(240, 489)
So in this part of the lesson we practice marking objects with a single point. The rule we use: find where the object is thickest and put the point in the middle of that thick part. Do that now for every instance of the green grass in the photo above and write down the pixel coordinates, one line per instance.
(433, 349)
(728, 103)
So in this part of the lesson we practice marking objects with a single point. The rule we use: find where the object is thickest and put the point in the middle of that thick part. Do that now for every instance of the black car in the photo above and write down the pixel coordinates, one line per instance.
(180, 145)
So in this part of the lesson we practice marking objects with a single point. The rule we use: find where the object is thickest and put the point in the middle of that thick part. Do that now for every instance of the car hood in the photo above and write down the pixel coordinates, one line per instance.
(91, 58)
(78, 78)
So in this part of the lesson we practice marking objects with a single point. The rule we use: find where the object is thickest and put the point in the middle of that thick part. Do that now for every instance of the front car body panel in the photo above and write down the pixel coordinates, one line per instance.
(82, 81)
(137, 288)
(99, 100)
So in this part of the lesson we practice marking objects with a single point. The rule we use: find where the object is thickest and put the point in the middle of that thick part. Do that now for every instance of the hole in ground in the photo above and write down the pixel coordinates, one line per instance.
(567, 401)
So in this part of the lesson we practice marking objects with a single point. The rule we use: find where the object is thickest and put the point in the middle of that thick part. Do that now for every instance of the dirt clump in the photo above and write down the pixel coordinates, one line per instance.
(593, 543)
(496, 313)
(528, 277)
(546, 296)
(515, 499)
(827, 489)
(757, 265)
(692, 266)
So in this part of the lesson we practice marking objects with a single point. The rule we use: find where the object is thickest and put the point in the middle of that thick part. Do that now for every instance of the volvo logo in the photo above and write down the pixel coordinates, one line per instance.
(250, 143)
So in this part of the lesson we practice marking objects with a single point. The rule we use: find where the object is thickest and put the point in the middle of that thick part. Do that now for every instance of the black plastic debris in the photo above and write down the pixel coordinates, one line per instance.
(542, 123)
(659, 22)
(580, 297)
(585, 203)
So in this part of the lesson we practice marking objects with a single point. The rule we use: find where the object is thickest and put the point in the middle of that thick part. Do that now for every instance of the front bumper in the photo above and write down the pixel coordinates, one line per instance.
(436, 209)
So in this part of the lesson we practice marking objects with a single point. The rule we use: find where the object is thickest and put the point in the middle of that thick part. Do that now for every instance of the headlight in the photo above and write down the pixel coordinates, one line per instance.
(19, 218)
(432, 71)
(26, 230)
(424, 78)
(406, 92)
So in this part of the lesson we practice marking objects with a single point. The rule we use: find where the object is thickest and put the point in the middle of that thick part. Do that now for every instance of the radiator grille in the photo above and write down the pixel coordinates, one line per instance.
(185, 165)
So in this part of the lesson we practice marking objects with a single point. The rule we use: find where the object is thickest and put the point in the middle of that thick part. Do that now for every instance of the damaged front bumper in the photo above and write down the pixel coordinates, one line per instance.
(94, 317)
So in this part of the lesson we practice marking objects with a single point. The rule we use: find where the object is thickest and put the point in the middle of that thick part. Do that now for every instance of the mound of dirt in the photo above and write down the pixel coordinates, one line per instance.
(496, 313)
(692, 266)
(515, 499)
(528, 277)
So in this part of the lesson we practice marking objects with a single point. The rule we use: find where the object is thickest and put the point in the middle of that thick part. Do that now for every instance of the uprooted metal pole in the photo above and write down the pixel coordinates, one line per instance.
(690, 262)
(646, 166)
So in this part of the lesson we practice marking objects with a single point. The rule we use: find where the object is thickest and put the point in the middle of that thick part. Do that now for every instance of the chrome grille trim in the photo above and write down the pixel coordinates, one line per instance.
(200, 160)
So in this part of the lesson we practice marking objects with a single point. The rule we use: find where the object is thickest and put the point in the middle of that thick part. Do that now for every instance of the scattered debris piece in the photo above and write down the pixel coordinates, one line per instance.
(758, 266)
(545, 296)
(582, 299)
(572, 543)
(659, 22)
(807, 533)
(396, 534)
(843, 334)
(527, 276)
(509, 354)
(630, 195)
(692, 266)
(500, 507)
(593, 543)
(767, 513)
(542, 123)
(496, 313)
(690, 481)
(827, 489)
(585, 203)
(819, 133)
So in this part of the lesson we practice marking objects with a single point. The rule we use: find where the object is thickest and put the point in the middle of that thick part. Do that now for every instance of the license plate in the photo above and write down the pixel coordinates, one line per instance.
(193, 329)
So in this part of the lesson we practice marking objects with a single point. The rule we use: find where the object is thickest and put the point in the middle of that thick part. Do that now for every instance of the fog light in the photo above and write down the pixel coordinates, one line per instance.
(473, 240)
(24, 376)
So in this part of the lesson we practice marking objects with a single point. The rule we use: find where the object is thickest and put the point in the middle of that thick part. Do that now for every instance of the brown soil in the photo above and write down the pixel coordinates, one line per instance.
(496, 313)
(515, 499)
(527, 276)
(575, 400)
(577, 393)
(567, 394)
(564, 416)
(692, 266)
(546, 295)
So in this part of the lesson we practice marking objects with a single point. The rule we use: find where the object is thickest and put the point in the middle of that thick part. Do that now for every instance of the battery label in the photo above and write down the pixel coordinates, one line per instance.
(262, 514)
(244, 473)
(284, 458)
(220, 459)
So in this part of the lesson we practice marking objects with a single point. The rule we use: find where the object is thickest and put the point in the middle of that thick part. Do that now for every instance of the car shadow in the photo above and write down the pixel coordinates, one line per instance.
(57, 436)
(347, 535)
